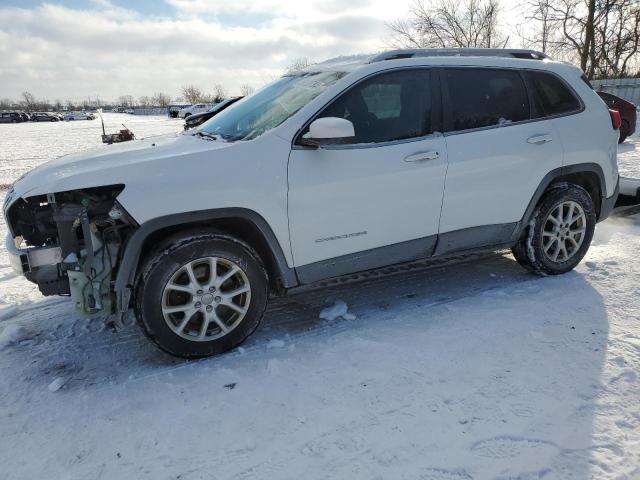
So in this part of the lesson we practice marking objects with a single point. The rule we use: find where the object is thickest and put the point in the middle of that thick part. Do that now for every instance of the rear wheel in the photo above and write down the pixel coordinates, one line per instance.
(201, 294)
(560, 232)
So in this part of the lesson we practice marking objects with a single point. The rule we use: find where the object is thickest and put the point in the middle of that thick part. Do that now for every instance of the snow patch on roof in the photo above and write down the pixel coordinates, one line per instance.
(343, 63)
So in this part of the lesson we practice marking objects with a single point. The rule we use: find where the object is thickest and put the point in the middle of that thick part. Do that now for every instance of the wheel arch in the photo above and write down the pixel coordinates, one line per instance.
(244, 224)
(586, 175)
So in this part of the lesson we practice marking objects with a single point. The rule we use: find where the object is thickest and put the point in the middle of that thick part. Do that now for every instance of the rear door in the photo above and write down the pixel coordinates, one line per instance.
(498, 155)
(383, 189)
(586, 134)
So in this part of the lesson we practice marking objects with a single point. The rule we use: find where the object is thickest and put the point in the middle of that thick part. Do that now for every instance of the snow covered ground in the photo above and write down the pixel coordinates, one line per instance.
(446, 372)
(629, 156)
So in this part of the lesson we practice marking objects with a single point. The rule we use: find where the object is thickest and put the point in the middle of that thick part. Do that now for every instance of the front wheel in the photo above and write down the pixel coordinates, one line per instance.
(560, 232)
(201, 294)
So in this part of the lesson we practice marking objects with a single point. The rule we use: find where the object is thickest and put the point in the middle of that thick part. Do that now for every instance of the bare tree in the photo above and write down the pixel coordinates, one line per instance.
(144, 101)
(542, 30)
(126, 101)
(602, 36)
(161, 99)
(246, 90)
(298, 64)
(192, 94)
(29, 101)
(449, 23)
(616, 38)
(219, 93)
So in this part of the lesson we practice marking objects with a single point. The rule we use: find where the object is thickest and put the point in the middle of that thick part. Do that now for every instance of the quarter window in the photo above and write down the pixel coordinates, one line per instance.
(552, 94)
(486, 97)
(390, 106)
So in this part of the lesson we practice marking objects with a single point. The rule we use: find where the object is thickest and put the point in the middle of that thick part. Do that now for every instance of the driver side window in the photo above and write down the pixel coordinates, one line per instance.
(390, 106)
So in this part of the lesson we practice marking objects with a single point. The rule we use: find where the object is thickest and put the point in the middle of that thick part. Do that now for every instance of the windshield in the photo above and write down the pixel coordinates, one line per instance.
(269, 107)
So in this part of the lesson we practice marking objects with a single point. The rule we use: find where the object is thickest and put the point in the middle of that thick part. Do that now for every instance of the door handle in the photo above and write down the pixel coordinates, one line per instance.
(540, 139)
(422, 156)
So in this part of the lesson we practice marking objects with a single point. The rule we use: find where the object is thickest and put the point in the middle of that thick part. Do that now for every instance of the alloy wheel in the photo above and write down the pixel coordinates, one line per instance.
(564, 231)
(206, 299)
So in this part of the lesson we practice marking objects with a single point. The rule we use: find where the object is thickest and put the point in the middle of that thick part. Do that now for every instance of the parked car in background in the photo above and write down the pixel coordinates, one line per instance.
(25, 116)
(130, 111)
(628, 113)
(44, 117)
(174, 108)
(336, 169)
(193, 109)
(79, 116)
(11, 117)
(199, 118)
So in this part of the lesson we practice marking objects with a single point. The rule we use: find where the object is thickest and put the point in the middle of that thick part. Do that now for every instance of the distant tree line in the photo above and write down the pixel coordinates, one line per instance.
(190, 94)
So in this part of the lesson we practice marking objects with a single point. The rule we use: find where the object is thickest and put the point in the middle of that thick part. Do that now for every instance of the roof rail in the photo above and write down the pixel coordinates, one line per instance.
(459, 52)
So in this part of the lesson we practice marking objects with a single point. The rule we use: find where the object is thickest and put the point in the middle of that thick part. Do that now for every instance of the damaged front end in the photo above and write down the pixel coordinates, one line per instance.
(71, 243)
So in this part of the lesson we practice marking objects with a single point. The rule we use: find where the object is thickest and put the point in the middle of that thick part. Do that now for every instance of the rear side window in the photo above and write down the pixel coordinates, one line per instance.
(486, 97)
(552, 95)
(389, 106)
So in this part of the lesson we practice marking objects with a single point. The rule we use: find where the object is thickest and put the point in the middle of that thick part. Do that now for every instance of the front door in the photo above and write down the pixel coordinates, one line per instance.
(383, 189)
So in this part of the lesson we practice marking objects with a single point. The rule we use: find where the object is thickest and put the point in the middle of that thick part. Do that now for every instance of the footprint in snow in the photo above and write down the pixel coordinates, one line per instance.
(509, 447)
(441, 474)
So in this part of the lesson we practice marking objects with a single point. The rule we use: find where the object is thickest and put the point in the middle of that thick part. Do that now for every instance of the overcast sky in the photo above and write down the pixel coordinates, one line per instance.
(76, 49)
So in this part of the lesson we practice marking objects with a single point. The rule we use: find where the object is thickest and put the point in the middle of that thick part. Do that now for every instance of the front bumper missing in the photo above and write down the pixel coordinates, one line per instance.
(24, 260)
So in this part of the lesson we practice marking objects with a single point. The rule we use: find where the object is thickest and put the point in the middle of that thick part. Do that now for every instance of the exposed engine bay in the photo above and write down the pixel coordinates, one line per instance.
(71, 243)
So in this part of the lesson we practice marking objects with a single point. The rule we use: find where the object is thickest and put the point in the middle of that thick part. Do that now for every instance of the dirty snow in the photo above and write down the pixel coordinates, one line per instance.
(629, 156)
(13, 333)
(338, 310)
(448, 372)
(57, 384)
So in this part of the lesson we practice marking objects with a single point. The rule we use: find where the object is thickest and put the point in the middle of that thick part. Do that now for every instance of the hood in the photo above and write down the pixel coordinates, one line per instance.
(110, 164)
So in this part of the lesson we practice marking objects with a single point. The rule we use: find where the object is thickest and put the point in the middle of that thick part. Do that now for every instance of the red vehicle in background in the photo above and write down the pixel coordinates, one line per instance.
(628, 113)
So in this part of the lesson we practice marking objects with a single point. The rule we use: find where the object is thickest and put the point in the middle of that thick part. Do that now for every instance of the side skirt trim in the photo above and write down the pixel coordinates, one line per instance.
(367, 260)
(475, 237)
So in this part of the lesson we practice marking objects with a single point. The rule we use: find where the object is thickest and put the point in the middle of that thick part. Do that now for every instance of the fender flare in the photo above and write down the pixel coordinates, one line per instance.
(133, 249)
(553, 175)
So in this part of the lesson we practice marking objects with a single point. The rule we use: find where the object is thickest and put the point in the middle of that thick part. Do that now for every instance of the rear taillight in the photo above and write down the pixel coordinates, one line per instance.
(616, 120)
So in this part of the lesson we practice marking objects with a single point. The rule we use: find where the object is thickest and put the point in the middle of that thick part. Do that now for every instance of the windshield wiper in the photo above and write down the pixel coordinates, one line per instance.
(208, 136)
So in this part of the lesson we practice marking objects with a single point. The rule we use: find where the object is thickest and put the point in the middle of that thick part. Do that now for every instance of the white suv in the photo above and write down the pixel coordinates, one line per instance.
(193, 109)
(350, 165)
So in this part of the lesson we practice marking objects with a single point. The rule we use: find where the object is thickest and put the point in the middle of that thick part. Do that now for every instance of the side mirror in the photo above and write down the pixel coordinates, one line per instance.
(328, 130)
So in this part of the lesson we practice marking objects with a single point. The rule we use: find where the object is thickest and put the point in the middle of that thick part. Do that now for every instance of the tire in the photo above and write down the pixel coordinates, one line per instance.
(624, 131)
(180, 333)
(186, 115)
(53, 120)
(541, 232)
